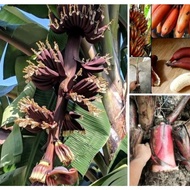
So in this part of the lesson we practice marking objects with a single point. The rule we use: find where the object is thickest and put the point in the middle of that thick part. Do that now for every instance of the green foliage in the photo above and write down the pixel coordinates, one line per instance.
(12, 111)
(40, 11)
(12, 149)
(86, 146)
(117, 177)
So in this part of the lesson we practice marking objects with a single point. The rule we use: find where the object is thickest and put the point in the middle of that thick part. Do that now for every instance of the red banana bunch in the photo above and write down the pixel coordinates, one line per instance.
(167, 18)
(138, 26)
(180, 58)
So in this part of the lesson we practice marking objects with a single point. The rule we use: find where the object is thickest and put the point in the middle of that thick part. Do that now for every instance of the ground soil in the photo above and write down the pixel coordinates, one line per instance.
(178, 177)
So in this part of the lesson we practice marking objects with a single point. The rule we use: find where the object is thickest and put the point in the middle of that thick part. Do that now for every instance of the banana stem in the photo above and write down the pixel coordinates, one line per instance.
(59, 113)
(173, 116)
(114, 16)
(89, 49)
(16, 43)
(71, 53)
(108, 47)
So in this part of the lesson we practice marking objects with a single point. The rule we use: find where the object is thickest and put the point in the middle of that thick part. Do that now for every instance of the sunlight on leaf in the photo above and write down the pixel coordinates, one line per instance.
(12, 111)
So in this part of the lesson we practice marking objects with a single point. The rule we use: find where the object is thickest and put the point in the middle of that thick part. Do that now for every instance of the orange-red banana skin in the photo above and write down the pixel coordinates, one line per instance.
(159, 14)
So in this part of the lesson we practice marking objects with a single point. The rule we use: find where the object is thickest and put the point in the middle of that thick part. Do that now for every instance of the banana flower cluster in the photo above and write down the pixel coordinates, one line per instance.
(72, 79)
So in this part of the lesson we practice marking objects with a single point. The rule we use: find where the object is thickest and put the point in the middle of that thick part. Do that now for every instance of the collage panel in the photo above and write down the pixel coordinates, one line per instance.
(159, 140)
(139, 35)
(170, 21)
(140, 75)
(159, 127)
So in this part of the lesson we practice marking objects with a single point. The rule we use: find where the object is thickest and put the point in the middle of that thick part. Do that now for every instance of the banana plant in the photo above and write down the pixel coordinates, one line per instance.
(64, 122)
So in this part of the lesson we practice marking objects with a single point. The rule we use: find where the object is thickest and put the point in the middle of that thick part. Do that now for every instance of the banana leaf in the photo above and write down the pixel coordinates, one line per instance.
(117, 177)
(13, 178)
(40, 11)
(12, 148)
(85, 147)
(12, 111)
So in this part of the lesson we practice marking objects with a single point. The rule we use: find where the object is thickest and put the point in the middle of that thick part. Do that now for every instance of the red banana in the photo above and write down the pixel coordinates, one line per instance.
(159, 14)
(162, 147)
(181, 52)
(183, 19)
(170, 21)
(154, 7)
(183, 63)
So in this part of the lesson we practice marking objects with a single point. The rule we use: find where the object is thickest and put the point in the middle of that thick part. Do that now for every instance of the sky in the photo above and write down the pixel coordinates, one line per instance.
(11, 82)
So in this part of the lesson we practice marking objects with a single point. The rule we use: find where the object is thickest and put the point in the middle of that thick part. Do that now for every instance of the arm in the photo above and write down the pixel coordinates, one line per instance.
(142, 154)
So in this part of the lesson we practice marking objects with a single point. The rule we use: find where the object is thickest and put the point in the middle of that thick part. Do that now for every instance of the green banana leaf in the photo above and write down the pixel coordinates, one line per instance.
(12, 111)
(4, 102)
(12, 148)
(13, 178)
(20, 28)
(23, 34)
(1, 112)
(40, 11)
(85, 147)
(118, 177)
(2, 47)
(12, 15)
(20, 64)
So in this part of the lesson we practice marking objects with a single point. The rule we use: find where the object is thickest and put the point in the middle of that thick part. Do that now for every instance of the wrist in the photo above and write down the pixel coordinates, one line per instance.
(141, 161)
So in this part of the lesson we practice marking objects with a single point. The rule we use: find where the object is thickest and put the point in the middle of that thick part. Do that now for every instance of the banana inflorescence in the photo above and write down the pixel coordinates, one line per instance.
(138, 26)
(72, 79)
(167, 18)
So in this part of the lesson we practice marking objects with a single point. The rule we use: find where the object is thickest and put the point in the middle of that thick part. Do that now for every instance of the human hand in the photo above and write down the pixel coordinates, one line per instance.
(142, 152)
(133, 85)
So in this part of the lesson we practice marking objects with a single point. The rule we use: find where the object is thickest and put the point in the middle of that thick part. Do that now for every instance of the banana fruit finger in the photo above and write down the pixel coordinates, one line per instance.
(180, 82)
